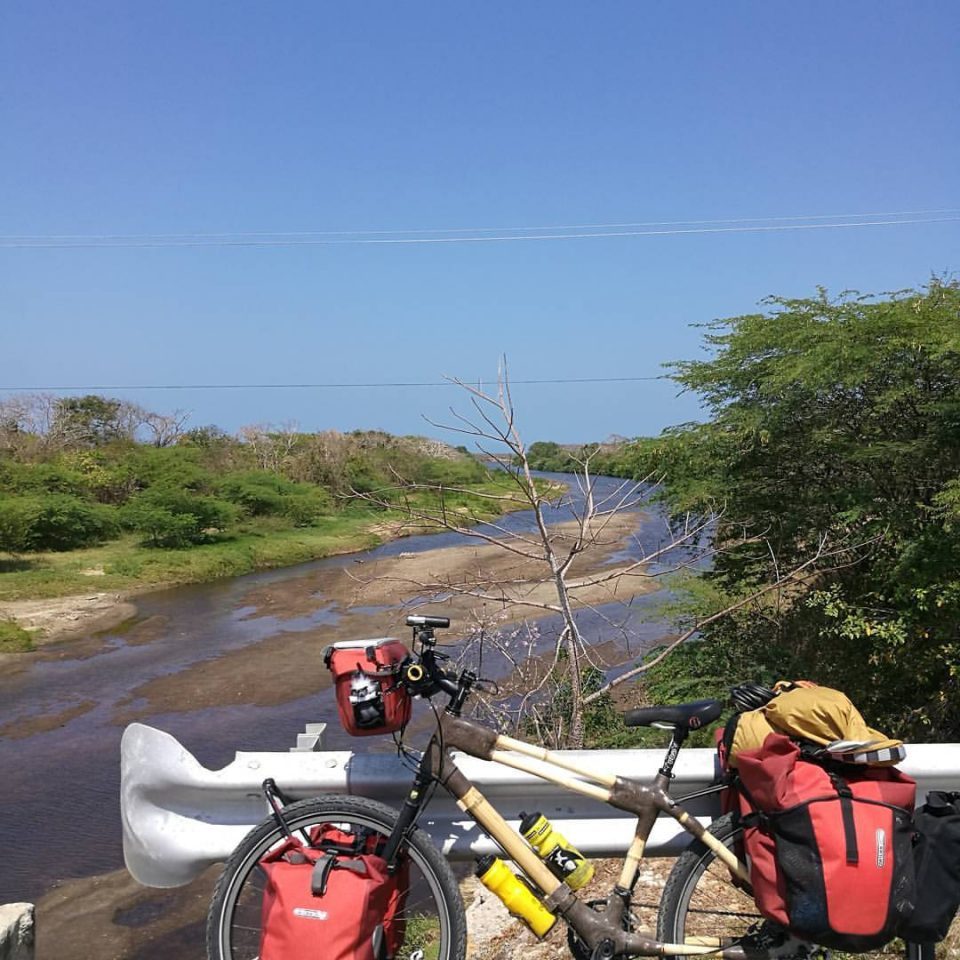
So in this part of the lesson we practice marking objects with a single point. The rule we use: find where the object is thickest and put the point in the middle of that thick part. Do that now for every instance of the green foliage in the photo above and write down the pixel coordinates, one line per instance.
(170, 517)
(53, 522)
(362, 476)
(264, 499)
(180, 467)
(834, 421)
(550, 456)
(41, 478)
(453, 473)
(14, 525)
(261, 493)
(258, 493)
(205, 437)
(305, 509)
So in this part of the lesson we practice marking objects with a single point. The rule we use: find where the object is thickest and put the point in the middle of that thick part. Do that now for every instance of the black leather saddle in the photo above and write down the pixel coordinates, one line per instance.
(691, 716)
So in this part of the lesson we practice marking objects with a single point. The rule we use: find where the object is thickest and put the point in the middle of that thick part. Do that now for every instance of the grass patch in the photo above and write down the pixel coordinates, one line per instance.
(126, 564)
(259, 543)
(422, 933)
(13, 638)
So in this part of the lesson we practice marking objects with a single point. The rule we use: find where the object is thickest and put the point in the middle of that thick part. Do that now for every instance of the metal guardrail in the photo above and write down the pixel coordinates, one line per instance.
(179, 817)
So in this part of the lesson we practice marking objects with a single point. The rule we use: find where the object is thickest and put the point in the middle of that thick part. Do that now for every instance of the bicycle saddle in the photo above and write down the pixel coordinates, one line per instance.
(690, 715)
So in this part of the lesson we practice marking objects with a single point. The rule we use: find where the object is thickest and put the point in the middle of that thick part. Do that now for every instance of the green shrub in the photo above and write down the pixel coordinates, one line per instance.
(53, 522)
(174, 518)
(451, 472)
(304, 510)
(362, 476)
(14, 524)
(124, 566)
(41, 478)
(175, 467)
(258, 492)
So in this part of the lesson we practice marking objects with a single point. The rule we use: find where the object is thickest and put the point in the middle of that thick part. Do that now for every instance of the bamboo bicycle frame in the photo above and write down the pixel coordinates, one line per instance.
(601, 931)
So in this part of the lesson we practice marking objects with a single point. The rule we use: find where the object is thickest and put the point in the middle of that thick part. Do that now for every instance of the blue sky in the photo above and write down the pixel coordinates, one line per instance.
(155, 118)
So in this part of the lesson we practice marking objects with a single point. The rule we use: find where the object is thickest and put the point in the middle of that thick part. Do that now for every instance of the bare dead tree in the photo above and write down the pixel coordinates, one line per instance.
(272, 445)
(27, 422)
(165, 429)
(545, 578)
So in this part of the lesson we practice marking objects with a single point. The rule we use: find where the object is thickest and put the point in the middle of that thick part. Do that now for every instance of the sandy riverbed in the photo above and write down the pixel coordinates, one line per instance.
(60, 618)
(367, 596)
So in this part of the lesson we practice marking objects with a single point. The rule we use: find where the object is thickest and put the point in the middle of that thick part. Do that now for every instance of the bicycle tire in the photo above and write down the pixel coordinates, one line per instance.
(436, 923)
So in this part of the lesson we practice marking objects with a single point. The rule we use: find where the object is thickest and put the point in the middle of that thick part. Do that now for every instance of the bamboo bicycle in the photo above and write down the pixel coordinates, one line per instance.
(705, 909)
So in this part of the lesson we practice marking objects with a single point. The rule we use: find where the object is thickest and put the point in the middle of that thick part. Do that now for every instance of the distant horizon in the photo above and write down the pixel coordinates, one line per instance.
(426, 430)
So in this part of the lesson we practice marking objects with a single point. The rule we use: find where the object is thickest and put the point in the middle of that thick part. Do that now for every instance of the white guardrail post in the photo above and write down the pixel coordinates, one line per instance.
(16, 931)
(179, 817)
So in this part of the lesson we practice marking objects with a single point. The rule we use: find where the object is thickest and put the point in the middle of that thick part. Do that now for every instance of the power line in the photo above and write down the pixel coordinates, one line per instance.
(282, 234)
(314, 386)
(292, 240)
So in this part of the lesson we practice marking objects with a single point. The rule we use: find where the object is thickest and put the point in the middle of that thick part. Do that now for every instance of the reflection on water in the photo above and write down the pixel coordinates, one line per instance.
(60, 804)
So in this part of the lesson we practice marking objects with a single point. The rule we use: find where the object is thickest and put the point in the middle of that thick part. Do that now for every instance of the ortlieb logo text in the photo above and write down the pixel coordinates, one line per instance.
(881, 848)
(308, 914)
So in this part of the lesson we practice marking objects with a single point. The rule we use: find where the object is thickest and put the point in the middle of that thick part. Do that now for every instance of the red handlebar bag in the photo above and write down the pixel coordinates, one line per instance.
(319, 901)
(371, 700)
(829, 846)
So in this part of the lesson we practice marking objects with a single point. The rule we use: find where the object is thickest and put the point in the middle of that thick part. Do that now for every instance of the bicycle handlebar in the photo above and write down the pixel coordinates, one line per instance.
(432, 677)
(438, 675)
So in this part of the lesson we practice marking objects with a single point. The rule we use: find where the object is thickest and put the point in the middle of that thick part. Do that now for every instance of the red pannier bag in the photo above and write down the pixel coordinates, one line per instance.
(371, 700)
(327, 899)
(828, 846)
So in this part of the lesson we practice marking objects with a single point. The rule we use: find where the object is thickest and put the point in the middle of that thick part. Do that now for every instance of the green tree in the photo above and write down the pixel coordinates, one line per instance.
(834, 422)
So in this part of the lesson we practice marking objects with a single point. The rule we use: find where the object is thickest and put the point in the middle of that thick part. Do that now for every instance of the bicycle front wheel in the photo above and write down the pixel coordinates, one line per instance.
(435, 925)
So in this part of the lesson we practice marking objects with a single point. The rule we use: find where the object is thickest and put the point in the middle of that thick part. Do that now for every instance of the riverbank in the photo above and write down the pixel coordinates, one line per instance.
(62, 596)
(59, 596)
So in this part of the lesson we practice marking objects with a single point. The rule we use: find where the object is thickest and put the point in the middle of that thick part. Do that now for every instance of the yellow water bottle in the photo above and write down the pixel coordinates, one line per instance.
(563, 859)
(516, 894)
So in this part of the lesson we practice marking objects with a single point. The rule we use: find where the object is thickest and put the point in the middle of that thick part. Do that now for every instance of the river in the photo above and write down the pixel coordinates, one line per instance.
(60, 800)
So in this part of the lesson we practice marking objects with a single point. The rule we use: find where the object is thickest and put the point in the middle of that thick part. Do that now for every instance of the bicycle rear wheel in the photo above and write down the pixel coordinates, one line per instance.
(701, 905)
(435, 922)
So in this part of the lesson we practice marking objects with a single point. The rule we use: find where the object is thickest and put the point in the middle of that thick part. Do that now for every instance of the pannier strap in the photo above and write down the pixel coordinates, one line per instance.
(846, 811)
(322, 868)
(321, 873)
(389, 671)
